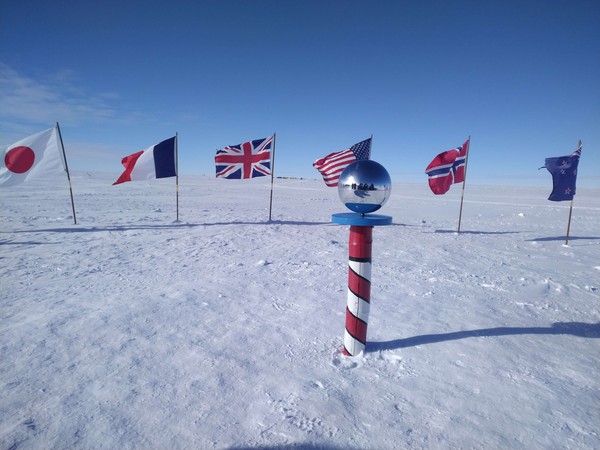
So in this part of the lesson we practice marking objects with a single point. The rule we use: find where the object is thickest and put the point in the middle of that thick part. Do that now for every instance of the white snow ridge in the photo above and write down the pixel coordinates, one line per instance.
(224, 330)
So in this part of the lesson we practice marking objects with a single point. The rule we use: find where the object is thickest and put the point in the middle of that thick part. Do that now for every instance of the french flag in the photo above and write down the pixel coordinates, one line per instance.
(157, 161)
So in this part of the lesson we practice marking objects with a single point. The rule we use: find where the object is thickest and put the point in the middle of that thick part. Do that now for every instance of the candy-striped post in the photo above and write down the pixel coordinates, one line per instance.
(359, 289)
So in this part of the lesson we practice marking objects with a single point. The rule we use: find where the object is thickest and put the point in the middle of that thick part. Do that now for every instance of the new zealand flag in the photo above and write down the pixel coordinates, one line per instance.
(564, 175)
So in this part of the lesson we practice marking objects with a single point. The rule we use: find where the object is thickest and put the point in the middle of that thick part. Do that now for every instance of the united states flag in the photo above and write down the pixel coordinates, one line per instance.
(332, 165)
(447, 168)
(247, 160)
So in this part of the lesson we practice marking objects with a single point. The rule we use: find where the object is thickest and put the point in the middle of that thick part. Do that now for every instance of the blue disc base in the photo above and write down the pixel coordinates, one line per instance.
(361, 220)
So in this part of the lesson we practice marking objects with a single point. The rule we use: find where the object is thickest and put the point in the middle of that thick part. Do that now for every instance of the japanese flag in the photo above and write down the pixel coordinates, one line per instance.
(34, 156)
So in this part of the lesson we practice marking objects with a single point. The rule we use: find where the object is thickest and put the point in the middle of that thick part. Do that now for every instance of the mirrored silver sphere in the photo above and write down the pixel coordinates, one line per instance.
(364, 186)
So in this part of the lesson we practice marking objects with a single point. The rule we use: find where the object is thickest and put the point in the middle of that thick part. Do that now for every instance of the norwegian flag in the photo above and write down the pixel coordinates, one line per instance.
(247, 160)
(332, 165)
(447, 168)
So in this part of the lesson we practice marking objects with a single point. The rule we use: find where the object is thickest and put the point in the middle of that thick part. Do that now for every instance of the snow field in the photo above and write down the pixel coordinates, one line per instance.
(224, 330)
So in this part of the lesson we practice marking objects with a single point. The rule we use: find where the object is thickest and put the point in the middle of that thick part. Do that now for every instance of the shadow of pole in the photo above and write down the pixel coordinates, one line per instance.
(579, 329)
(562, 238)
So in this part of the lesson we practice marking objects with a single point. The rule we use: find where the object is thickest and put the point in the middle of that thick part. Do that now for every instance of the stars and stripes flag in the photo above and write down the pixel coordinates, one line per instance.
(447, 168)
(248, 160)
(564, 175)
(332, 165)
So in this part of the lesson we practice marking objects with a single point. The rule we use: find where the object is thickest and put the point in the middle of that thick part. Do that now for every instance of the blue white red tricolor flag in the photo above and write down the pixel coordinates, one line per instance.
(447, 168)
(34, 156)
(248, 160)
(332, 165)
(157, 161)
(564, 175)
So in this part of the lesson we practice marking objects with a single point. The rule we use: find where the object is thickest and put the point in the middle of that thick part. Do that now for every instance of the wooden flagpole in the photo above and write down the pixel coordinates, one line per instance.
(462, 196)
(177, 175)
(571, 210)
(67, 170)
(569, 224)
(272, 176)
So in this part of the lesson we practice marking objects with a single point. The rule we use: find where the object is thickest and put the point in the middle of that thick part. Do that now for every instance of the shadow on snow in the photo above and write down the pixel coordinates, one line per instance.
(580, 329)
(297, 446)
(476, 232)
(562, 238)
(172, 226)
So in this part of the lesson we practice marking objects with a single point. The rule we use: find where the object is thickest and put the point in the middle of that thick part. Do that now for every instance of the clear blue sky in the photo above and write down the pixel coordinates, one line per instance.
(521, 77)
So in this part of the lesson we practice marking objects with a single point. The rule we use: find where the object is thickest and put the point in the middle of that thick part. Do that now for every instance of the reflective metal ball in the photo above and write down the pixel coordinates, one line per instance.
(364, 186)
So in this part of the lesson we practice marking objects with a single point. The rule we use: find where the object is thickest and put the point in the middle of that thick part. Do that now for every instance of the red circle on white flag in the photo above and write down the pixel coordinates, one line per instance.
(19, 159)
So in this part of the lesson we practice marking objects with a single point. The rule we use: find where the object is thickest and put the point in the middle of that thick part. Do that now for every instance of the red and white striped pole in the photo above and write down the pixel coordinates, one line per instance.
(359, 289)
(364, 186)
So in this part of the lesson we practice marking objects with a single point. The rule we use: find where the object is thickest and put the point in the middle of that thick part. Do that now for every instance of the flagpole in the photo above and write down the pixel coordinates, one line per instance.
(67, 170)
(571, 210)
(177, 175)
(462, 196)
(569, 224)
(272, 176)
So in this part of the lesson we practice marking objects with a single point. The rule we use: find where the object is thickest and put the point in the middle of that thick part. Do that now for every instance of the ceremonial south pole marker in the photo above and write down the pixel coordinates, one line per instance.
(364, 187)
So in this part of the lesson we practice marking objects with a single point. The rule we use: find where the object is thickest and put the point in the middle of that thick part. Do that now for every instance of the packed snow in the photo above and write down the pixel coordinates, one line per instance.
(224, 330)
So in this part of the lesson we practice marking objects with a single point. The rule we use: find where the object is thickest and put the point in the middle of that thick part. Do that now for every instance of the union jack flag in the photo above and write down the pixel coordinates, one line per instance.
(332, 165)
(247, 160)
(447, 168)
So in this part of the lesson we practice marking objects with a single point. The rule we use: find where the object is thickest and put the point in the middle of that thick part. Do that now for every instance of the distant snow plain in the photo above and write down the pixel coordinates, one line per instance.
(224, 330)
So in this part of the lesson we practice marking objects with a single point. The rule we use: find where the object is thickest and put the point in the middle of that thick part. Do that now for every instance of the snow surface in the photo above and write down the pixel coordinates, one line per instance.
(224, 330)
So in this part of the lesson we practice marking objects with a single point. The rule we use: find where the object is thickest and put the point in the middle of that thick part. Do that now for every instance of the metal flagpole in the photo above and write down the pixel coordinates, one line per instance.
(67, 170)
(462, 196)
(272, 175)
(177, 174)
(571, 210)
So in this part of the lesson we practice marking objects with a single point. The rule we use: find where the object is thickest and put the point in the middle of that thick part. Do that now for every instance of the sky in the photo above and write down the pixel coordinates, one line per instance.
(519, 77)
